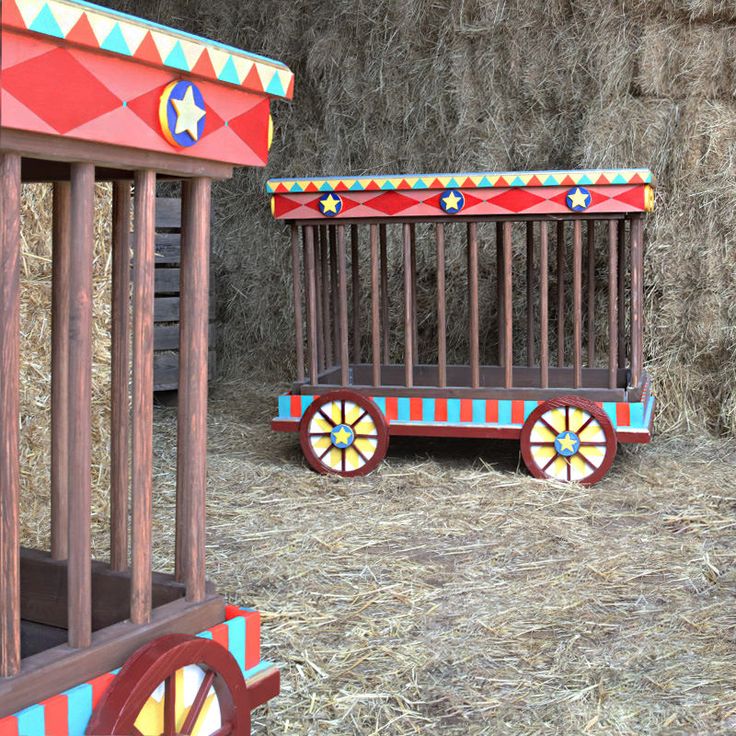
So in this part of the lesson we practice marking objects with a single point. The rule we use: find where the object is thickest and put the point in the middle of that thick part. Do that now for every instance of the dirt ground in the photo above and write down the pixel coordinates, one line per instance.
(449, 593)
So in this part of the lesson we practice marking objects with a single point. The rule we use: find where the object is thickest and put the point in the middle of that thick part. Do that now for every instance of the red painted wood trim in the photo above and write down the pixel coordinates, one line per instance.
(428, 430)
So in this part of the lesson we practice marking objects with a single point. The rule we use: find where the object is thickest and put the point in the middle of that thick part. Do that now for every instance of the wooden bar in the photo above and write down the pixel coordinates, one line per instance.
(637, 297)
(530, 293)
(318, 296)
(577, 303)
(385, 328)
(334, 287)
(343, 306)
(408, 320)
(499, 292)
(375, 309)
(544, 306)
(591, 293)
(560, 294)
(120, 376)
(508, 361)
(441, 308)
(61, 245)
(310, 278)
(10, 190)
(355, 268)
(80, 403)
(142, 425)
(621, 297)
(329, 358)
(415, 334)
(192, 426)
(613, 315)
(297, 297)
(474, 327)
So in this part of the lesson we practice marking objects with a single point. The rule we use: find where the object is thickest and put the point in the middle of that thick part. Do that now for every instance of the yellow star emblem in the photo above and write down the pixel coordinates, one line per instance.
(188, 114)
(578, 198)
(341, 436)
(567, 442)
(329, 204)
(452, 201)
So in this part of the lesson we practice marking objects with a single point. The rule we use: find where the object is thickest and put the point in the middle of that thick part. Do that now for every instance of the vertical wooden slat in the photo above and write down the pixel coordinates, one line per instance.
(637, 297)
(120, 374)
(297, 297)
(508, 361)
(343, 306)
(142, 470)
(408, 320)
(61, 244)
(544, 306)
(474, 328)
(310, 279)
(530, 293)
(384, 292)
(334, 288)
(9, 413)
(577, 303)
(560, 293)
(621, 296)
(499, 292)
(613, 314)
(355, 269)
(329, 360)
(375, 308)
(193, 336)
(441, 308)
(415, 333)
(80, 404)
(318, 295)
(591, 293)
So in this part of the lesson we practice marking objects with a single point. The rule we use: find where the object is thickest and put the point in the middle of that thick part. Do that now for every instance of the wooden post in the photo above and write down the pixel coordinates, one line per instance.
(343, 306)
(508, 360)
(577, 303)
(561, 293)
(473, 304)
(408, 320)
(297, 296)
(441, 308)
(120, 375)
(310, 278)
(544, 306)
(384, 292)
(318, 296)
(61, 245)
(591, 293)
(612, 303)
(530, 293)
(355, 268)
(415, 333)
(10, 188)
(142, 473)
(329, 359)
(621, 296)
(79, 579)
(637, 297)
(334, 288)
(499, 292)
(375, 308)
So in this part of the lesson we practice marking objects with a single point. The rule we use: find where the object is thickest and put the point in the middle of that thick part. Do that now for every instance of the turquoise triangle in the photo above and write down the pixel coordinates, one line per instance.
(388, 185)
(296, 188)
(275, 87)
(420, 184)
(176, 58)
(584, 180)
(229, 73)
(452, 183)
(46, 23)
(115, 41)
(484, 182)
(618, 179)
(517, 182)
(550, 181)
(357, 186)
(325, 187)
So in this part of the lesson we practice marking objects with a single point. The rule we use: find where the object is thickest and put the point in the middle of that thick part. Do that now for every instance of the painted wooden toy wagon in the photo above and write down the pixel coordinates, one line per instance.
(568, 413)
(109, 646)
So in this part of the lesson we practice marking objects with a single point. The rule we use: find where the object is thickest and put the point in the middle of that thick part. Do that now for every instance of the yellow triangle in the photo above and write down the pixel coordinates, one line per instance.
(265, 73)
(286, 78)
(164, 43)
(412, 181)
(332, 183)
(444, 180)
(242, 67)
(133, 35)
(218, 58)
(348, 183)
(101, 25)
(29, 9)
(66, 15)
(525, 178)
(192, 52)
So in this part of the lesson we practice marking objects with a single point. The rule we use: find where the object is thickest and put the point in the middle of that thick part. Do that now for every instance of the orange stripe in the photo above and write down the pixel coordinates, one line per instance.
(623, 415)
(392, 408)
(99, 687)
(517, 412)
(415, 410)
(492, 411)
(220, 634)
(440, 410)
(296, 406)
(466, 410)
(56, 715)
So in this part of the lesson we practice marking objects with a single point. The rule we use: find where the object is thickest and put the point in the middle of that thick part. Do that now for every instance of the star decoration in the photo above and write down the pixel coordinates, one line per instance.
(567, 443)
(342, 436)
(188, 114)
(330, 204)
(578, 199)
(452, 201)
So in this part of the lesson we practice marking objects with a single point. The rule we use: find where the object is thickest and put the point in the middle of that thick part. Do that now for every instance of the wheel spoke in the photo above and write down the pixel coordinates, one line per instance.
(542, 444)
(359, 419)
(362, 456)
(319, 434)
(197, 704)
(342, 459)
(224, 730)
(586, 461)
(367, 436)
(592, 444)
(585, 425)
(342, 411)
(170, 705)
(326, 418)
(567, 420)
(549, 426)
(551, 460)
(325, 452)
(567, 460)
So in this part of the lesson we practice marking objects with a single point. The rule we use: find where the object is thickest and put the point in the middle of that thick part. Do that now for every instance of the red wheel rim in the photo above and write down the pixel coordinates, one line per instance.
(354, 418)
(579, 446)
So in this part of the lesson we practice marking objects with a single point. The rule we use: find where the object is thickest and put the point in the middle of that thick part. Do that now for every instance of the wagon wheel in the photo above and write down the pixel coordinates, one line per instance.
(568, 439)
(176, 684)
(343, 433)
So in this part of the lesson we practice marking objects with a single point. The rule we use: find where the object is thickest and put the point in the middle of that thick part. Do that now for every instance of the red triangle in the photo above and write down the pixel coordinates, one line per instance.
(635, 196)
(403, 184)
(436, 184)
(469, 183)
(252, 128)
(204, 67)
(11, 16)
(253, 81)
(567, 182)
(501, 182)
(283, 205)
(311, 187)
(534, 182)
(147, 51)
(371, 186)
(281, 188)
(290, 89)
(602, 180)
(636, 179)
(82, 33)
(212, 122)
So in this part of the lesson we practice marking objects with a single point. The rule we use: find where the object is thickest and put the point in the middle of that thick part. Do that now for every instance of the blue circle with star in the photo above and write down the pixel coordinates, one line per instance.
(340, 430)
(182, 102)
(578, 199)
(452, 201)
(330, 204)
(567, 443)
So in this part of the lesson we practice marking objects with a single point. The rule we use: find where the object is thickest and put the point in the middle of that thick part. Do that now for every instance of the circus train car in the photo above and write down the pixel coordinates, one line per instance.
(110, 646)
(567, 389)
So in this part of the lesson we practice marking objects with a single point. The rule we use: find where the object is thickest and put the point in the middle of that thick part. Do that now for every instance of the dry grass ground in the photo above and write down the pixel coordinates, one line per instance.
(449, 593)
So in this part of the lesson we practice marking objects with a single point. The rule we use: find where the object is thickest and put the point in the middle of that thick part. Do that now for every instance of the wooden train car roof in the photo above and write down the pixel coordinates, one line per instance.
(509, 193)
(79, 71)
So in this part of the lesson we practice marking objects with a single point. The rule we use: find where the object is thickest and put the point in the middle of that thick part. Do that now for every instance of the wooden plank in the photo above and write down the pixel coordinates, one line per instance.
(508, 305)
(166, 337)
(560, 294)
(342, 303)
(192, 426)
(530, 293)
(375, 308)
(441, 307)
(385, 326)
(577, 302)
(499, 292)
(166, 369)
(310, 277)
(168, 249)
(621, 295)
(80, 403)
(168, 213)
(120, 376)
(637, 297)
(297, 298)
(591, 293)
(613, 313)
(355, 271)
(544, 306)
(61, 249)
(167, 281)
(408, 318)
(166, 309)
(10, 189)
(142, 411)
(474, 327)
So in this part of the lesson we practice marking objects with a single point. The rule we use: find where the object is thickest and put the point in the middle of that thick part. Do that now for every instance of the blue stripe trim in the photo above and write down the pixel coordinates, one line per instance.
(262, 665)
(610, 408)
(479, 411)
(428, 406)
(529, 407)
(453, 411)
(404, 409)
(285, 407)
(31, 721)
(380, 402)
(504, 412)
(79, 709)
(236, 639)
